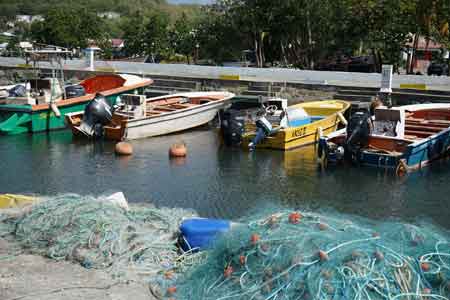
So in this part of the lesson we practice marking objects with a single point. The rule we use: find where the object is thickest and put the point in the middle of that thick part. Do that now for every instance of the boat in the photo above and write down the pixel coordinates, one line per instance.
(43, 105)
(140, 117)
(403, 139)
(295, 126)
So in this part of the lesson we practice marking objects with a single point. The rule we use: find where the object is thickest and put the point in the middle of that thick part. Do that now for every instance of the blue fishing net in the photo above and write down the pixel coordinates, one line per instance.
(304, 255)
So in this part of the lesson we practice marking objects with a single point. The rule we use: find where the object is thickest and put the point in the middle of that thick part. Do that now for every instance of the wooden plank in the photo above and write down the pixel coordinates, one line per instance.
(418, 133)
(423, 128)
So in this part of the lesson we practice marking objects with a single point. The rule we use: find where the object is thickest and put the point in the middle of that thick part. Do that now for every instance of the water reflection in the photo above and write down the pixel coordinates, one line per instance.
(216, 180)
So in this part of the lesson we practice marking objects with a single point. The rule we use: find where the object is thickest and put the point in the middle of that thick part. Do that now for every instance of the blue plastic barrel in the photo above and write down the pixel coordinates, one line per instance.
(199, 234)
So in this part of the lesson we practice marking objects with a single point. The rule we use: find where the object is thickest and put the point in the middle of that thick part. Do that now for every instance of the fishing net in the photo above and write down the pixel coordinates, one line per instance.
(292, 255)
(98, 233)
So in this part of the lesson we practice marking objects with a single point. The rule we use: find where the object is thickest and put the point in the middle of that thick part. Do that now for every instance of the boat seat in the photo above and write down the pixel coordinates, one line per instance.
(423, 128)
(164, 108)
(419, 133)
(183, 105)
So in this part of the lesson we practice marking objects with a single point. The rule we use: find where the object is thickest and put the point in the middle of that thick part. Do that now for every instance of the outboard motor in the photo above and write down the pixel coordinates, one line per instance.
(73, 91)
(96, 114)
(232, 126)
(18, 91)
(263, 130)
(358, 131)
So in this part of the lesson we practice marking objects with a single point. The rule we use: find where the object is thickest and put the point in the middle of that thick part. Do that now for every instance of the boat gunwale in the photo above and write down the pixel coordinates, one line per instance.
(127, 119)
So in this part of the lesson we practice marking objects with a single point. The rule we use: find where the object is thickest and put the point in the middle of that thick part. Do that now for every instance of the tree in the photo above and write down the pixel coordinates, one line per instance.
(145, 34)
(70, 28)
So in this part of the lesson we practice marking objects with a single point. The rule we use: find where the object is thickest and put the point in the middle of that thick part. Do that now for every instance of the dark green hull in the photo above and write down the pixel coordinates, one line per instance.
(16, 119)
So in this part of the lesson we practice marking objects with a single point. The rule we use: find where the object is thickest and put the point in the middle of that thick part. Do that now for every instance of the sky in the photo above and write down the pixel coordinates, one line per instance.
(190, 1)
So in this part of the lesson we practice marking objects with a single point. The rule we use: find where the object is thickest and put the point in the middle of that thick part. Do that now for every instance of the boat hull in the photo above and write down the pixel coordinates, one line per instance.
(165, 124)
(295, 137)
(45, 119)
(407, 157)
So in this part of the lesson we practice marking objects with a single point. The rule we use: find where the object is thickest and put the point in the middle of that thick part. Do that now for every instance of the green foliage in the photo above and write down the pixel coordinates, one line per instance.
(145, 34)
(69, 27)
(32, 7)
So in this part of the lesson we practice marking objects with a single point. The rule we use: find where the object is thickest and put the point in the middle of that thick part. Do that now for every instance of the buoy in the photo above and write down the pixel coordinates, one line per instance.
(242, 260)
(228, 271)
(323, 226)
(123, 148)
(171, 290)
(323, 256)
(294, 218)
(178, 150)
(425, 266)
(254, 239)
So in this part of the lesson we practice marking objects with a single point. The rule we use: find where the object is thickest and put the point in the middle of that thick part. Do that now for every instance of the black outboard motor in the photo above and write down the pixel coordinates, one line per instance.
(18, 91)
(96, 114)
(73, 91)
(232, 126)
(358, 131)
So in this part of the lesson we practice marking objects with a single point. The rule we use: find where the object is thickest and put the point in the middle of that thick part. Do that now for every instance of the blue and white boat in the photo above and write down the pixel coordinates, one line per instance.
(404, 138)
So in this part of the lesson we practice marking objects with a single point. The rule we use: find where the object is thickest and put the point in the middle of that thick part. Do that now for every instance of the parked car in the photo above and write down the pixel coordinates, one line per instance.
(438, 68)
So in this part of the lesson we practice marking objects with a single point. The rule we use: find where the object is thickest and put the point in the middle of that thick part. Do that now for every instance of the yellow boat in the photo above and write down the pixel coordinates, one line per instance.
(302, 125)
(13, 200)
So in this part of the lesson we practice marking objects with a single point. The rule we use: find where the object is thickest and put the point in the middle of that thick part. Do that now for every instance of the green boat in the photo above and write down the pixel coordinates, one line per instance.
(44, 106)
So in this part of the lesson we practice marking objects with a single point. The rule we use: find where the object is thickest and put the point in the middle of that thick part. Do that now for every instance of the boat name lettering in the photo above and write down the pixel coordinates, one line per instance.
(299, 132)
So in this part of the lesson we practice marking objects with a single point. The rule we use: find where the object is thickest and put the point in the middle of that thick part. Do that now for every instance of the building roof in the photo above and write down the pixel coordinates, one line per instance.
(117, 43)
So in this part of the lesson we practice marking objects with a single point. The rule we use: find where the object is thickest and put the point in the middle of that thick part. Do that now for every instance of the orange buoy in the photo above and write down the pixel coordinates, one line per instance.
(242, 260)
(323, 226)
(178, 150)
(425, 266)
(294, 218)
(124, 148)
(228, 271)
(323, 256)
(254, 239)
(171, 290)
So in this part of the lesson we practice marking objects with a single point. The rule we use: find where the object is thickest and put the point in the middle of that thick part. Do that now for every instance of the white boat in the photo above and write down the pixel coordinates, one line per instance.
(140, 117)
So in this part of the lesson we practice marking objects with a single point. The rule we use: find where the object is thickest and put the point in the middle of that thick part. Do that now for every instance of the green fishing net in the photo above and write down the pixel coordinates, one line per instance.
(100, 234)
(302, 255)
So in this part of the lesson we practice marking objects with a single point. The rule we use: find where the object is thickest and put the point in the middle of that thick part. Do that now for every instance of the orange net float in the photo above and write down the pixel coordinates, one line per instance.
(171, 290)
(425, 266)
(254, 239)
(323, 256)
(228, 272)
(294, 218)
(178, 150)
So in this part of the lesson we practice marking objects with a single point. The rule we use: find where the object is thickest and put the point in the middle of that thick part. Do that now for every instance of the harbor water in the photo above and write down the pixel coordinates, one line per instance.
(217, 181)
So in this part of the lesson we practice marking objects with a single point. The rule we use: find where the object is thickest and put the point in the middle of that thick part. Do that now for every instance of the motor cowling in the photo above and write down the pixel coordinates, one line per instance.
(232, 126)
(73, 91)
(358, 131)
(96, 114)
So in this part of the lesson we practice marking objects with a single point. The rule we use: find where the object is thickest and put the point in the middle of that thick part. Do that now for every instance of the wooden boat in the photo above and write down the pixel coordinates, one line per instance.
(299, 125)
(421, 135)
(44, 106)
(140, 117)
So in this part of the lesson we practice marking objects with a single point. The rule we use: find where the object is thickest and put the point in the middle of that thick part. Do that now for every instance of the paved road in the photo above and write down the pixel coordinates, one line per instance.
(252, 74)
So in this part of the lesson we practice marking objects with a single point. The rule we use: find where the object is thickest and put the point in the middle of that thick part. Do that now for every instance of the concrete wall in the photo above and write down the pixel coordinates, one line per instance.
(248, 74)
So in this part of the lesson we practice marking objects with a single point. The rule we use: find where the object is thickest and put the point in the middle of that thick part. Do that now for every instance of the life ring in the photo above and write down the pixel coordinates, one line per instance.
(402, 168)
